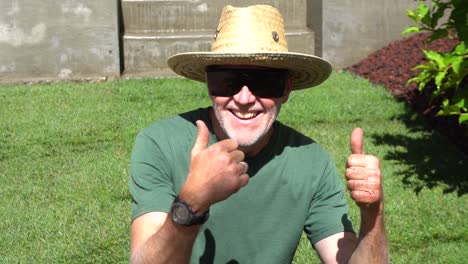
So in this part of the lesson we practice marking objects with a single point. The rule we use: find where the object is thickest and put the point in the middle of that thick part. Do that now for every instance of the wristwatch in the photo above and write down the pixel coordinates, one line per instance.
(182, 214)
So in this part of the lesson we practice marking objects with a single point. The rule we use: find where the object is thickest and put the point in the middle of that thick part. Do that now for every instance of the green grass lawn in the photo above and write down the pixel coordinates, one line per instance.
(65, 148)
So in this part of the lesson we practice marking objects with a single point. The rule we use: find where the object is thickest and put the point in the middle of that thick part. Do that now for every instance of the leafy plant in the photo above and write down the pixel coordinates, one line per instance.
(447, 70)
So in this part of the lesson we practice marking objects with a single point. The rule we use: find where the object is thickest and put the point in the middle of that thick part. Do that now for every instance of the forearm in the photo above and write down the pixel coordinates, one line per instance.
(170, 244)
(372, 244)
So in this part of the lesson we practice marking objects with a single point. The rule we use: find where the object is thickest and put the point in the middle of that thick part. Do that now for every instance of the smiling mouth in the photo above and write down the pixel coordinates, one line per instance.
(244, 115)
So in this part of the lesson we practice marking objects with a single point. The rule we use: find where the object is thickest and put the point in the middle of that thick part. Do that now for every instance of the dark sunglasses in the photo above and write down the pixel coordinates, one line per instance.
(264, 83)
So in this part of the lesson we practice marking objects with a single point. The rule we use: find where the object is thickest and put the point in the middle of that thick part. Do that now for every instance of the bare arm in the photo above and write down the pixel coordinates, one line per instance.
(370, 247)
(365, 184)
(215, 174)
(336, 248)
(372, 244)
(155, 238)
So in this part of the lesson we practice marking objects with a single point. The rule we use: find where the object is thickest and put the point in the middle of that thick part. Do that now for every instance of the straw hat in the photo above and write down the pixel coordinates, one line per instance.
(252, 36)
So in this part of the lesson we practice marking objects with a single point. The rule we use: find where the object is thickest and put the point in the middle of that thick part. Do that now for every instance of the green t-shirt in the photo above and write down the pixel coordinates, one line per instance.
(294, 187)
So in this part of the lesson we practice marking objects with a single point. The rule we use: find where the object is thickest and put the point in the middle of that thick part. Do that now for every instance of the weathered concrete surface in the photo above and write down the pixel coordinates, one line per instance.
(69, 39)
(350, 30)
(75, 39)
(342, 31)
(170, 15)
(147, 52)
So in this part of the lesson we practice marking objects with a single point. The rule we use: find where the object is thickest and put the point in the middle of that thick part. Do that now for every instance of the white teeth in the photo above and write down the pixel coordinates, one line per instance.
(245, 115)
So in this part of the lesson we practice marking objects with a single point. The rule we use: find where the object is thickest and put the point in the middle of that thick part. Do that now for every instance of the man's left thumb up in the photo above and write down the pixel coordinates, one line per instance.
(356, 141)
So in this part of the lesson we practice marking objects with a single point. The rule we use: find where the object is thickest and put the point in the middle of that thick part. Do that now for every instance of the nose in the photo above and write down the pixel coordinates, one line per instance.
(244, 96)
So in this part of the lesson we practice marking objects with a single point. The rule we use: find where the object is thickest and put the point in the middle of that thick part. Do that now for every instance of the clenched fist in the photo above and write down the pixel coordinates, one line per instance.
(216, 172)
(363, 174)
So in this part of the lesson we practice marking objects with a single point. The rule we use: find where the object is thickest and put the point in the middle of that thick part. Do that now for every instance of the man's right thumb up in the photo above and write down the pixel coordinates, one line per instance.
(203, 137)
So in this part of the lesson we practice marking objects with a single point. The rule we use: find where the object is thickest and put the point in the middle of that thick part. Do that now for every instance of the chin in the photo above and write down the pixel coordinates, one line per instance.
(245, 143)
(251, 140)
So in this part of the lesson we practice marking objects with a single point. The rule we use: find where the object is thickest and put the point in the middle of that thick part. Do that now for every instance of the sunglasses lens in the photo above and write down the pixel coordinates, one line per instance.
(265, 83)
(222, 83)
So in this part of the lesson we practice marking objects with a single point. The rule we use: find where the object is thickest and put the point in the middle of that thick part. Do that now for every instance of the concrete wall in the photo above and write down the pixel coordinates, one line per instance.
(67, 39)
(75, 39)
(352, 29)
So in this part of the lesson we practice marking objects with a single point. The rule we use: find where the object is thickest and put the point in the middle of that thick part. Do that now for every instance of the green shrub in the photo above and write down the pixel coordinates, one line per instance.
(447, 70)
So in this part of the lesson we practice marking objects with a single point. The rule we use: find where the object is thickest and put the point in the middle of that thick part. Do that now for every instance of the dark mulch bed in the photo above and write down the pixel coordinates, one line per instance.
(392, 66)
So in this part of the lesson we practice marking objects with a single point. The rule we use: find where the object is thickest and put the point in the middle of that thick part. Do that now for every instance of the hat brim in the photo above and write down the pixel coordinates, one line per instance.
(305, 70)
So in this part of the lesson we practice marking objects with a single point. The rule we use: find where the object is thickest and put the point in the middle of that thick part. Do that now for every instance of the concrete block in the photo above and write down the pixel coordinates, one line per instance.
(58, 40)
(150, 15)
(351, 30)
(148, 53)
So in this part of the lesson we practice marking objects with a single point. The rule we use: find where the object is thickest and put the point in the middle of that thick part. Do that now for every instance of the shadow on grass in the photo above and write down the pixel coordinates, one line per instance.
(427, 158)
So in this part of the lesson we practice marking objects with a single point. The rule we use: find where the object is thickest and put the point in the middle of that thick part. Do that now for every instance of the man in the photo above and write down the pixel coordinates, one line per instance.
(229, 183)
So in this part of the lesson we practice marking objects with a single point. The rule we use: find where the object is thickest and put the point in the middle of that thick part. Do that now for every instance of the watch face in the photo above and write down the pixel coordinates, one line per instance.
(180, 214)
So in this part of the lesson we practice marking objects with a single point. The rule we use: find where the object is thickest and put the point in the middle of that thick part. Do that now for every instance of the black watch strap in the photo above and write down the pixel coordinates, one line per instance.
(182, 214)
